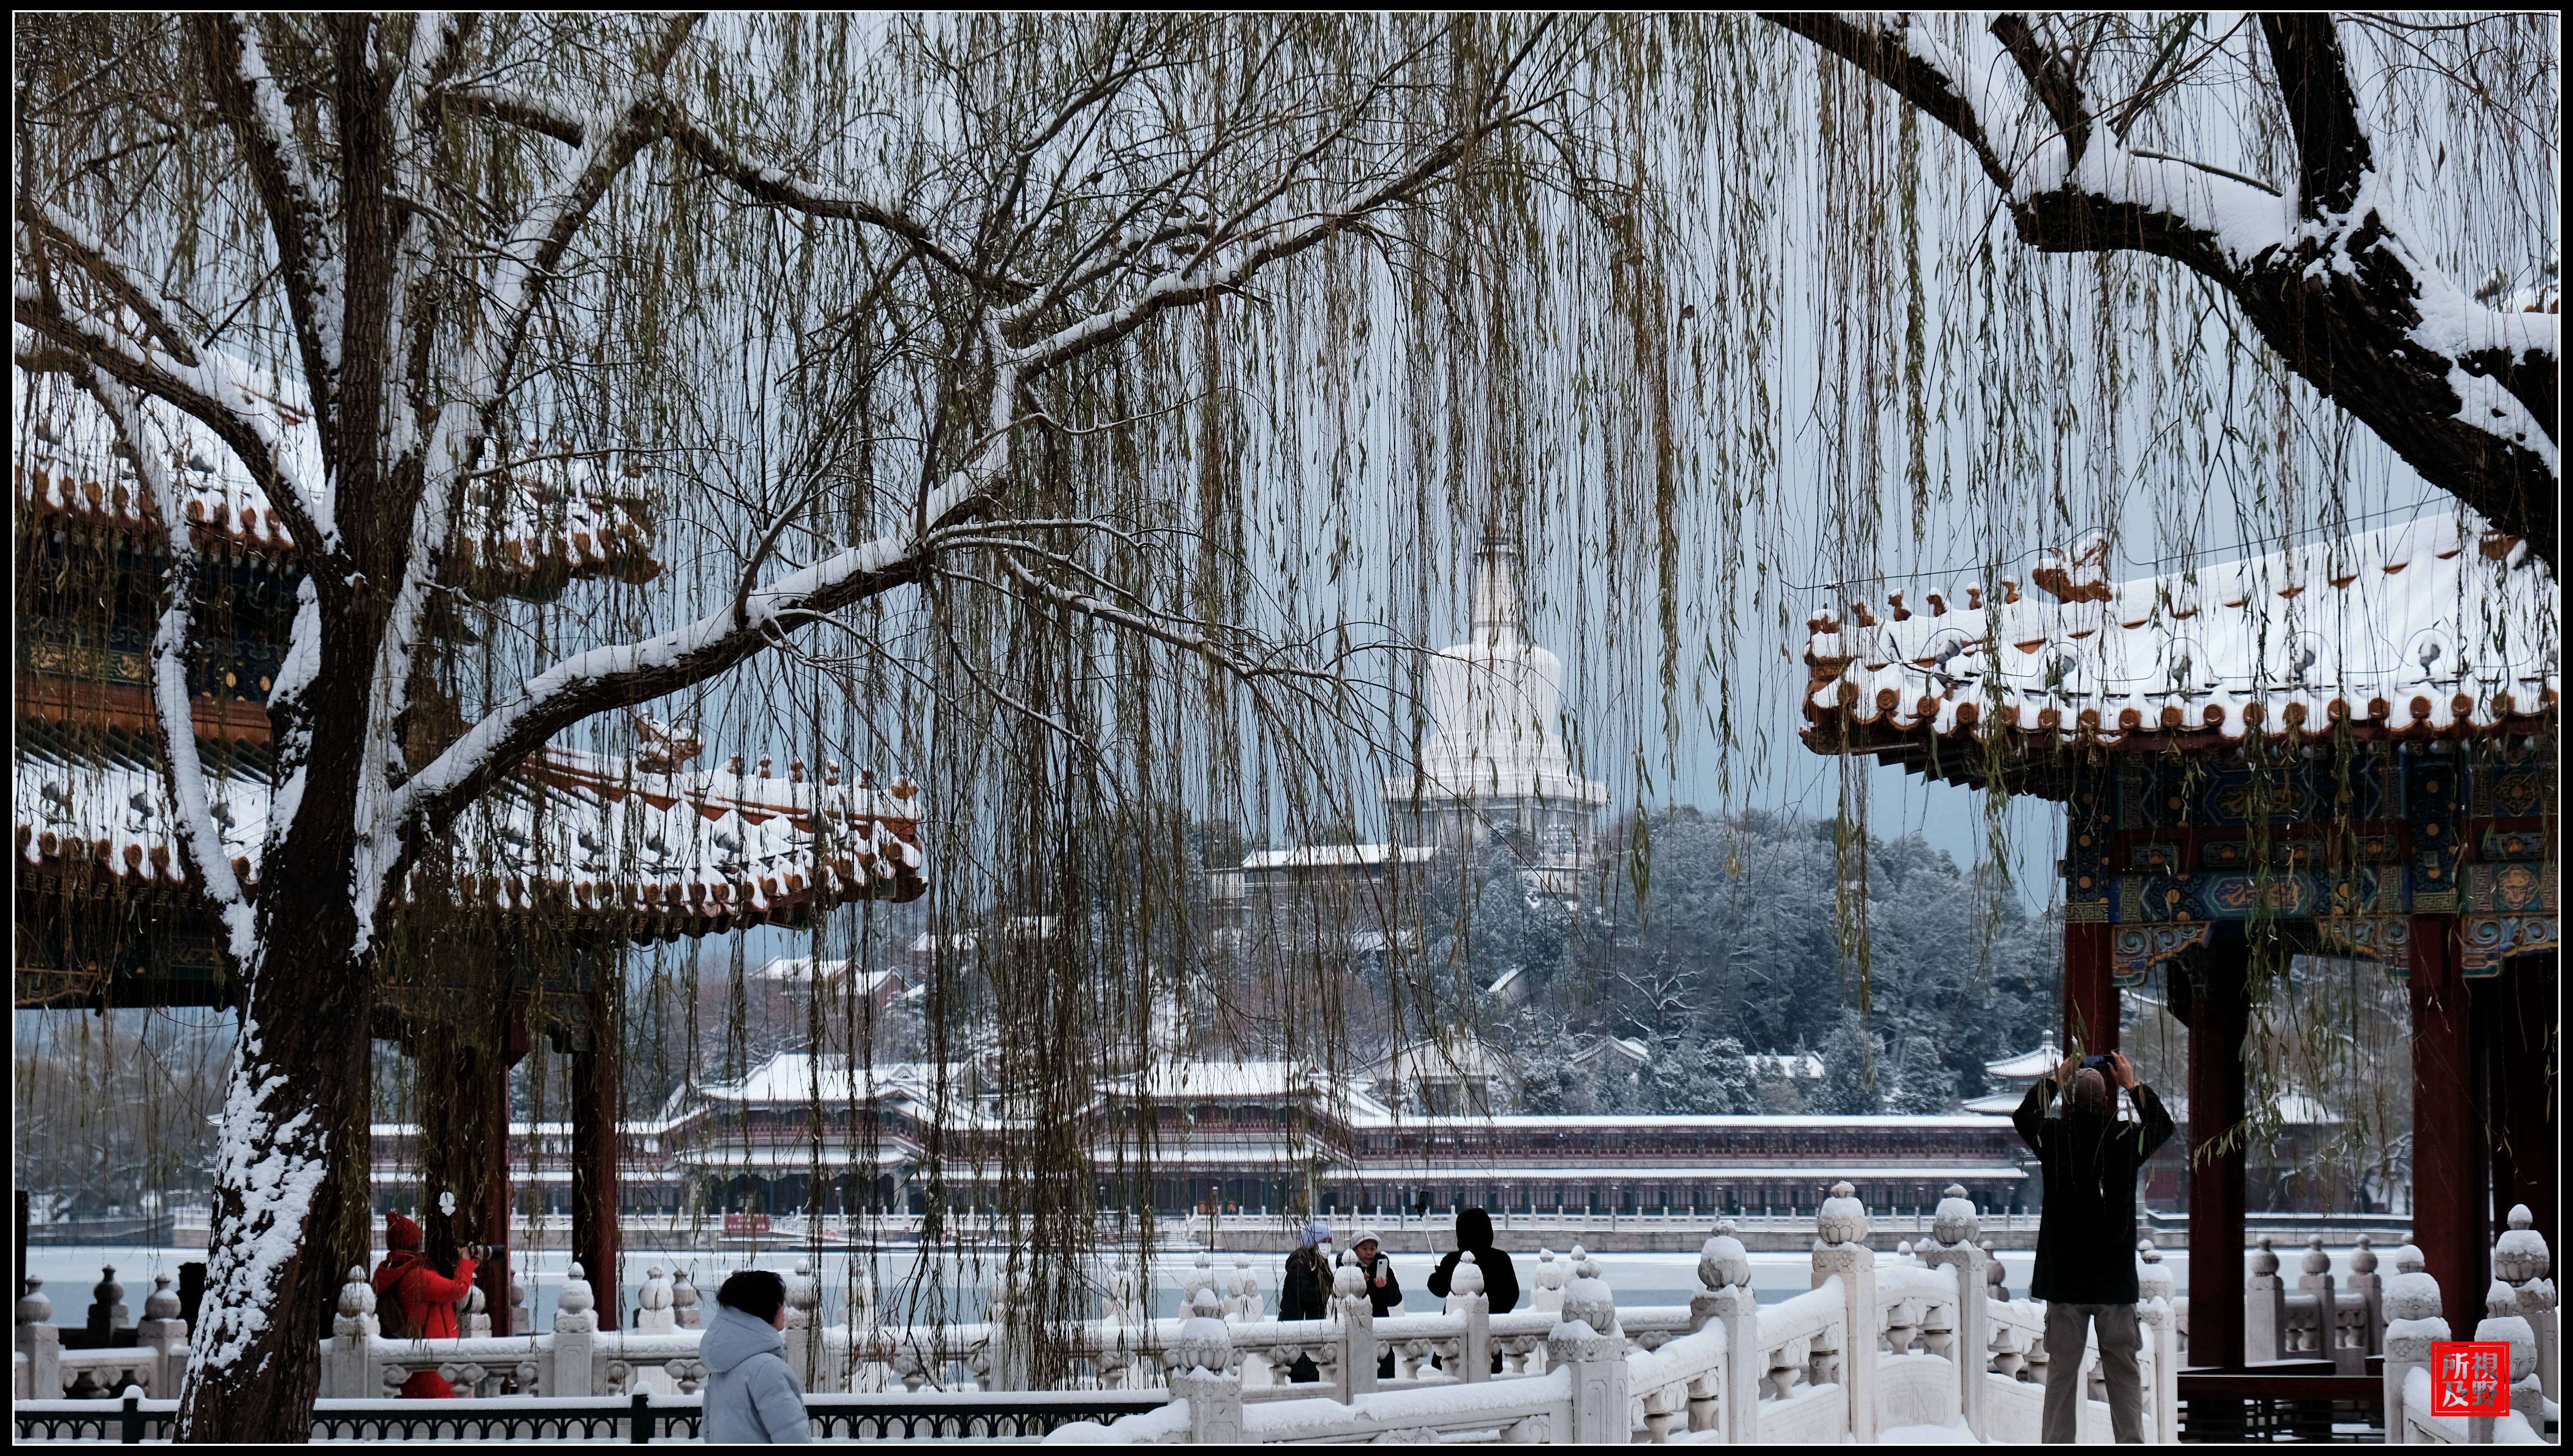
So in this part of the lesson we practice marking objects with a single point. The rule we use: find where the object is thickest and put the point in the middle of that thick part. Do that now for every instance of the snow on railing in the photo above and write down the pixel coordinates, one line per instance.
(1925, 1336)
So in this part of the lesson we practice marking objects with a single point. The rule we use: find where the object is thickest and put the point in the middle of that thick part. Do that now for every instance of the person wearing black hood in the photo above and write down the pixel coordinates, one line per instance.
(2086, 1240)
(1500, 1281)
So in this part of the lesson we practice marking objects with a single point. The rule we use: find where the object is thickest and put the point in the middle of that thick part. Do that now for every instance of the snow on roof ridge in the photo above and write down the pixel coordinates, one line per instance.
(2425, 628)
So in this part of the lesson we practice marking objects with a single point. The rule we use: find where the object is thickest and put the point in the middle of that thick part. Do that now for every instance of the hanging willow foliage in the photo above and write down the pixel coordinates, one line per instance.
(1164, 370)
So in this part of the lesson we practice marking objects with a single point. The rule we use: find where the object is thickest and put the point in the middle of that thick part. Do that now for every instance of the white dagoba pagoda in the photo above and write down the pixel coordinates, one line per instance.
(1496, 767)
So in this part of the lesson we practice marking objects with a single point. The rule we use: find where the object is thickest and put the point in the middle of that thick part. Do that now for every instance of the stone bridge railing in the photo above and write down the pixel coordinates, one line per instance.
(1913, 1339)
(1878, 1343)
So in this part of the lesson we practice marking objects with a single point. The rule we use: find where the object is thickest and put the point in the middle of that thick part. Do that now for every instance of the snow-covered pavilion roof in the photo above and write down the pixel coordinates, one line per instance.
(573, 834)
(1332, 856)
(2429, 628)
(2027, 1067)
(552, 516)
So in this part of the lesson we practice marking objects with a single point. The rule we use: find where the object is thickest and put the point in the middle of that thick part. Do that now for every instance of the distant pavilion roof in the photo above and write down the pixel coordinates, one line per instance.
(2426, 630)
(2027, 1067)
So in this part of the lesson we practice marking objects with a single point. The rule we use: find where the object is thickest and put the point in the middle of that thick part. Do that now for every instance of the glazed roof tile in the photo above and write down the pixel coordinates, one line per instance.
(571, 834)
(2429, 628)
(549, 517)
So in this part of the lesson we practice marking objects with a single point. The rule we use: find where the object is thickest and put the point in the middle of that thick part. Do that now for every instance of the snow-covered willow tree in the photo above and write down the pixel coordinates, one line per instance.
(1074, 412)
(2326, 203)
(878, 306)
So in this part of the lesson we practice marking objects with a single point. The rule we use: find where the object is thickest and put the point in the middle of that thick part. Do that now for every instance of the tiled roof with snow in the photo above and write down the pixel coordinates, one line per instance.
(550, 515)
(2029, 1066)
(1332, 856)
(572, 835)
(2429, 628)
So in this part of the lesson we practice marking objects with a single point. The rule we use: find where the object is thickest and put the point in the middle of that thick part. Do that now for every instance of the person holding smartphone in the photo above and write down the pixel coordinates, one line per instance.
(2086, 1240)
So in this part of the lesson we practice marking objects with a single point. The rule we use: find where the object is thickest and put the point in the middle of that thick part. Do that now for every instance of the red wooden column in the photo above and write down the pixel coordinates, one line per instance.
(2090, 990)
(2448, 1165)
(492, 1216)
(2219, 1014)
(594, 1146)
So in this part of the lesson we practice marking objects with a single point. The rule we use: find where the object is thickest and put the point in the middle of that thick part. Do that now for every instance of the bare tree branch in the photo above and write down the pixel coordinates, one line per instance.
(2463, 392)
(2332, 155)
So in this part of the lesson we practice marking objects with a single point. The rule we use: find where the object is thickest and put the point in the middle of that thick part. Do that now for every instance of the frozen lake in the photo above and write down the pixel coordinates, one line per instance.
(69, 1274)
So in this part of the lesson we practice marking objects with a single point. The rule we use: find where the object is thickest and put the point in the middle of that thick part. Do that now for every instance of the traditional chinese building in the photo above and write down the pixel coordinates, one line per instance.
(1263, 1137)
(515, 930)
(2344, 748)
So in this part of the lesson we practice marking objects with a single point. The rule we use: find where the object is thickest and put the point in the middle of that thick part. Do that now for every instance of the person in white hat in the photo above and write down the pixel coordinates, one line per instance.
(1384, 1293)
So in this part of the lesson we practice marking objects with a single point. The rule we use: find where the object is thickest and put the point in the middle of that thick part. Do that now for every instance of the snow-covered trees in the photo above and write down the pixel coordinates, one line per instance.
(843, 292)
(1731, 956)
(1853, 1069)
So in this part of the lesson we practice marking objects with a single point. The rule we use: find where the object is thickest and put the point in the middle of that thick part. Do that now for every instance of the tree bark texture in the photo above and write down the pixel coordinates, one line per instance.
(250, 1376)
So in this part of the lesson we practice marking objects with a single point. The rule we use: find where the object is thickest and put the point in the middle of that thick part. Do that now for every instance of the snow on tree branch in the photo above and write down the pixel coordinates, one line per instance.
(251, 103)
(2325, 271)
(210, 390)
(201, 843)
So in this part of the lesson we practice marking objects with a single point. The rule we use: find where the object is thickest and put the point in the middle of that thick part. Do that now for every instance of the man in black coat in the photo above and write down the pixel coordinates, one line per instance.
(1500, 1281)
(2086, 1243)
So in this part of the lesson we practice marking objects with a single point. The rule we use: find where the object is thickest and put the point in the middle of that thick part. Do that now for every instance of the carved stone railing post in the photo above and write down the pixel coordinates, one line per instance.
(653, 1312)
(2505, 1324)
(1203, 1373)
(41, 1343)
(1471, 1301)
(1128, 1333)
(522, 1315)
(2370, 1286)
(2154, 1307)
(1244, 1306)
(1955, 1227)
(1843, 1250)
(345, 1359)
(1356, 1375)
(1550, 1284)
(2412, 1325)
(2314, 1278)
(1201, 1275)
(2521, 1260)
(1724, 1268)
(575, 1341)
(1591, 1349)
(106, 1312)
(2264, 1306)
(166, 1335)
(683, 1302)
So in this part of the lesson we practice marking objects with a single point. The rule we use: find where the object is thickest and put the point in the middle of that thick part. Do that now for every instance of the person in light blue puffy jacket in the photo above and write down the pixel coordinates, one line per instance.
(751, 1393)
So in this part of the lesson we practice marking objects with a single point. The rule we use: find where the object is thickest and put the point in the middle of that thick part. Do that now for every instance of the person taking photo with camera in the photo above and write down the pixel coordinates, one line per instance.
(2085, 1239)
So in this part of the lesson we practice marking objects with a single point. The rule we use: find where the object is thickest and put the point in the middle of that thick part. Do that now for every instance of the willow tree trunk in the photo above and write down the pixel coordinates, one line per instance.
(255, 1362)
(254, 1359)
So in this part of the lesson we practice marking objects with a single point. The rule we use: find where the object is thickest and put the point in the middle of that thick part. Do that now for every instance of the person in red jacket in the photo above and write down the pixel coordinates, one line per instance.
(417, 1292)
